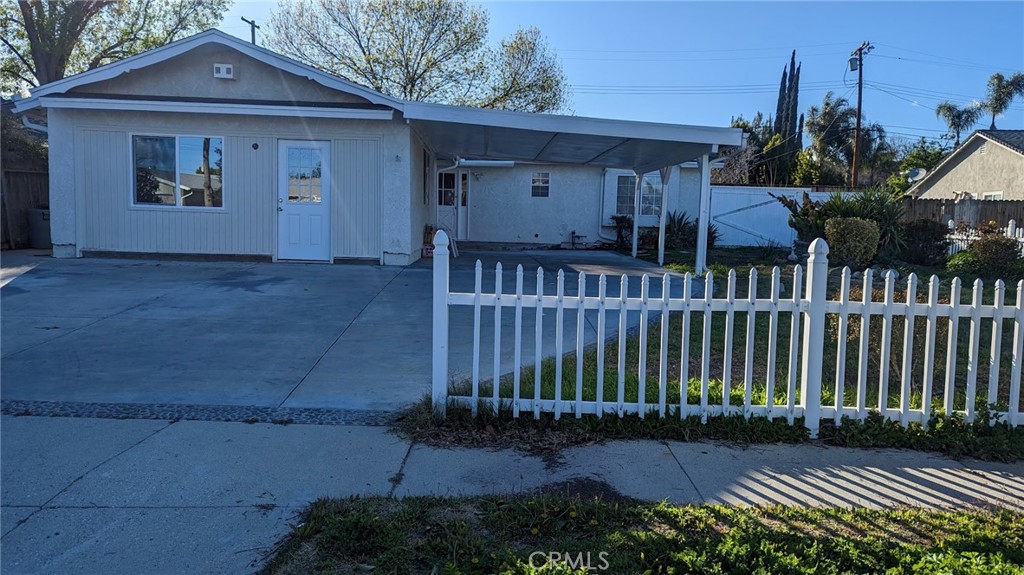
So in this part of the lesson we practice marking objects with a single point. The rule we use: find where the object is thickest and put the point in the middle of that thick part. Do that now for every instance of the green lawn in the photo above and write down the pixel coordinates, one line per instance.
(499, 535)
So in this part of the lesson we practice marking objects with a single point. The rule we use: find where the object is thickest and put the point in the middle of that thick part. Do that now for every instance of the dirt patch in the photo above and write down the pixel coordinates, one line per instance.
(586, 488)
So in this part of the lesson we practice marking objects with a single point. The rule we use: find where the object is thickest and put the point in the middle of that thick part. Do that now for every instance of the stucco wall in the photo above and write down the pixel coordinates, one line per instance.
(190, 75)
(502, 209)
(996, 170)
(581, 198)
(91, 189)
(421, 205)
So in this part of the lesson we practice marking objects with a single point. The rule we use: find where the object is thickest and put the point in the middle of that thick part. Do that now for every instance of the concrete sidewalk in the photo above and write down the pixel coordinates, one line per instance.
(148, 496)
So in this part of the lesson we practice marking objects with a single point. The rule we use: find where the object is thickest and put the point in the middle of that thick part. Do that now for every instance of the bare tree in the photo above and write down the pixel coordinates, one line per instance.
(422, 50)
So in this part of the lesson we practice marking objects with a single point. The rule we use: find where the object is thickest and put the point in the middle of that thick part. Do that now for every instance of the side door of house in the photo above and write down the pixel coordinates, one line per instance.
(453, 203)
(304, 201)
(447, 203)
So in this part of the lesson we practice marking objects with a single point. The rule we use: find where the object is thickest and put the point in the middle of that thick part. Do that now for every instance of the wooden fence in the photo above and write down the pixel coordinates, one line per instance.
(22, 191)
(902, 390)
(970, 212)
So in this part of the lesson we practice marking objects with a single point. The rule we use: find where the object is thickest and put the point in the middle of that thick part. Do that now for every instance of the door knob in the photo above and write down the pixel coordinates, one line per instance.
(280, 209)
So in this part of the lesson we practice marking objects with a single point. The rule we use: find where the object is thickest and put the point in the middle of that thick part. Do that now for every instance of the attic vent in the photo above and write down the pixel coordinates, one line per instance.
(983, 148)
(223, 71)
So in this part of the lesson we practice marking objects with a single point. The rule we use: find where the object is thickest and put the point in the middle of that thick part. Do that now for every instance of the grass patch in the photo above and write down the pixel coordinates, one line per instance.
(498, 534)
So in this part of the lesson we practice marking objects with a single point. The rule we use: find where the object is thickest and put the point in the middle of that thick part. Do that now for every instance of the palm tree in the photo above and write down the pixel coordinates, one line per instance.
(831, 126)
(1001, 92)
(958, 119)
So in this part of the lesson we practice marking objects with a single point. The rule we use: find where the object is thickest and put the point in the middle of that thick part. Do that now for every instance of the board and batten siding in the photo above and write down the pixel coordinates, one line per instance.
(357, 184)
(113, 223)
(248, 224)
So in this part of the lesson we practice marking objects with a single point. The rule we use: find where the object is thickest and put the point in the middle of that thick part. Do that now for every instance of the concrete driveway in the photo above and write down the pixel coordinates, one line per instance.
(245, 334)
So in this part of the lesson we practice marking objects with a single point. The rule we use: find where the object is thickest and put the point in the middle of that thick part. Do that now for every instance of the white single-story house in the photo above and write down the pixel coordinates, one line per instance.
(211, 145)
(988, 166)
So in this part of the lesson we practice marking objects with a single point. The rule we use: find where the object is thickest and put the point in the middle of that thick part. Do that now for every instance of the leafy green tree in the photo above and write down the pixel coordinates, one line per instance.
(958, 120)
(44, 41)
(924, 154)
(1001, 92)
(831, 128)
(422, 50)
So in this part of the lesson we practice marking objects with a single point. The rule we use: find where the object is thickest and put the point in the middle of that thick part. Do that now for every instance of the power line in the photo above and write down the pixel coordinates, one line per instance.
(670, 59)
(988, 66)
(759, 49)
(935, 63)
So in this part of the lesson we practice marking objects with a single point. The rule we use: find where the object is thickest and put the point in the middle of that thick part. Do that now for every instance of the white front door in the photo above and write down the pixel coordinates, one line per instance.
(304, 201)
(453, 203)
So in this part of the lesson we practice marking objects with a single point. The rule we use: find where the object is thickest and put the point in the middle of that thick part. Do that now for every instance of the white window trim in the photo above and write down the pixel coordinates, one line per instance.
(992, 195)
(133, 205)
(547, 186)
(657, 187)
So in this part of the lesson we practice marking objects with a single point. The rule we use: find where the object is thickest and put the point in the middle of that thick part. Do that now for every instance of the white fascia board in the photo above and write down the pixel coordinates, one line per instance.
(574, 124)
(179, 47)
(215, 108)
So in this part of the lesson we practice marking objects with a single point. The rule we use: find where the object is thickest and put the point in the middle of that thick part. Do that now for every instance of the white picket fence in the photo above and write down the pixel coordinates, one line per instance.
(804, 357)
(961, 241)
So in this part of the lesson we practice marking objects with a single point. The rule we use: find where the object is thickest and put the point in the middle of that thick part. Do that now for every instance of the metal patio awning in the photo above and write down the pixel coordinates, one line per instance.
(501, 135)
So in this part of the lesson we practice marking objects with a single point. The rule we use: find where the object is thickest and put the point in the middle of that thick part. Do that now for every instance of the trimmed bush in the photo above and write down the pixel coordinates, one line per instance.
(926, 242)
(962, 264)
(995, 255)
(852, 241)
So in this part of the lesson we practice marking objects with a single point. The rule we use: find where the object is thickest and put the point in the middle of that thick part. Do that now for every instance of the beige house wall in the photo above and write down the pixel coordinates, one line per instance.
(190, 75)
(984, 167)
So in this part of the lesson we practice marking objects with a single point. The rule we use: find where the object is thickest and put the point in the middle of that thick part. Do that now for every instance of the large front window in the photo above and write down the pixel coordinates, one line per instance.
(182, 171)
(650, 195)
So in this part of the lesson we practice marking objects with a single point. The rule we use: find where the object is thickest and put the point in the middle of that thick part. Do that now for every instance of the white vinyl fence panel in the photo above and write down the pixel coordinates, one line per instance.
(960, 241)
(806, 376)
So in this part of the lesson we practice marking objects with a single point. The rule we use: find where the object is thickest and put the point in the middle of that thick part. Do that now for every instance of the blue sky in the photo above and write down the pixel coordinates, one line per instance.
(703, 63)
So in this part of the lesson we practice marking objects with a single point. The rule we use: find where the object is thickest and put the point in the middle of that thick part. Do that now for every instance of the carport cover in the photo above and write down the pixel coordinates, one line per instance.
(502, 135)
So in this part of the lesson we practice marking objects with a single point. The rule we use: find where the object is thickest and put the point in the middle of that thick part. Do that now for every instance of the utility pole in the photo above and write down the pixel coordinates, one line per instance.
(857, 63)
(252, 28)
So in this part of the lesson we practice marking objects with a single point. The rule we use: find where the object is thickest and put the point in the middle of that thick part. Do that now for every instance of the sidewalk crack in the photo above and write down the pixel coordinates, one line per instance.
(82, 476)
(397, 478)
(690, 479)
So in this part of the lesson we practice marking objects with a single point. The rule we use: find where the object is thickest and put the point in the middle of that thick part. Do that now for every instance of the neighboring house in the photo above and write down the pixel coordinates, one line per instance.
(988, 166)
(211, 145)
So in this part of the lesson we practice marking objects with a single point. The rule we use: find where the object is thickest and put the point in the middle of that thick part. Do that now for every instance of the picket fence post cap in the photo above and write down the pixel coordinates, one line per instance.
(818, 247)
(441, 238)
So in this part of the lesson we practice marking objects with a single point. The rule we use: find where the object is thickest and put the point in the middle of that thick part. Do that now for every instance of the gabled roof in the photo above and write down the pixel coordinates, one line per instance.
(447, 130)
(1012, 140)
(203, 38)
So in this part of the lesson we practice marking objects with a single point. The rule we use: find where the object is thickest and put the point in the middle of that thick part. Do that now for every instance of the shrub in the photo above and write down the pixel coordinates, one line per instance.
(678, 230)
(807, 218)
(962, 264)
(995, 254)
(623, 231)
(681, 232)
(926, 242)
(852, 241)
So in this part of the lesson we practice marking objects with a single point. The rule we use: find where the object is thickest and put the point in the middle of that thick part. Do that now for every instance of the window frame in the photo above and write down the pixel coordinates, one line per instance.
(534, 186)
(133, 205)
(992, 196)
(656, 193)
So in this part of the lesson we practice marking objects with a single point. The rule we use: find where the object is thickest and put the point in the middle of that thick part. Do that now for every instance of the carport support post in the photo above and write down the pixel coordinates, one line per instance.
(666, 174)
(636, 208)
(439, 380)
(703, 220)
